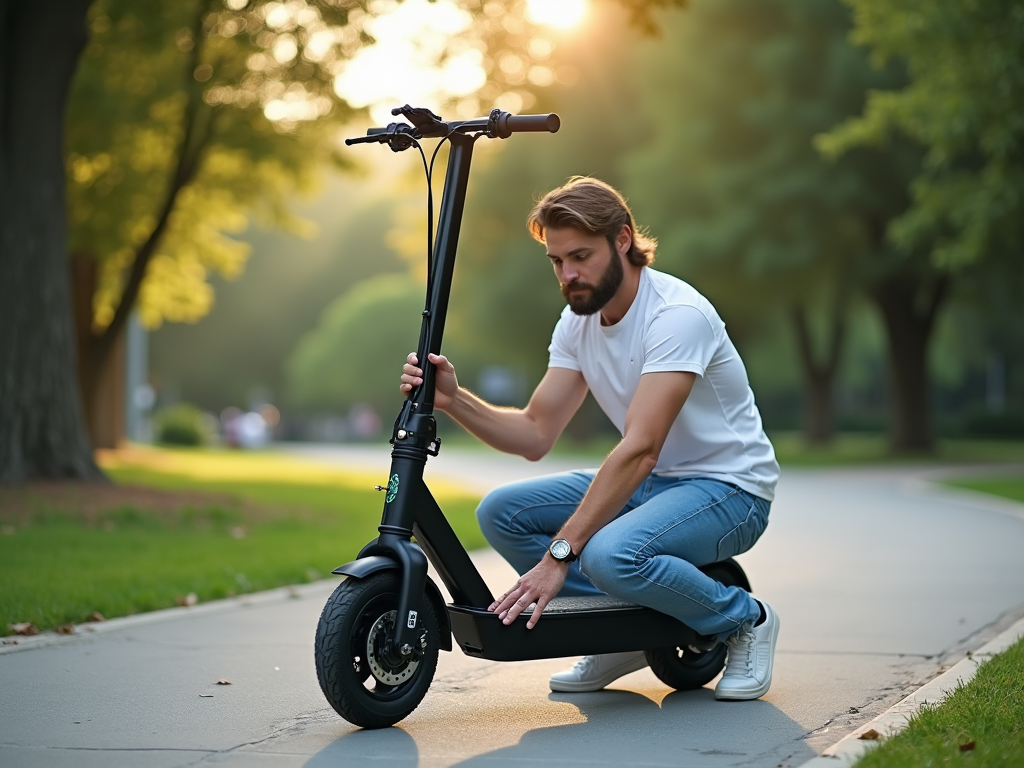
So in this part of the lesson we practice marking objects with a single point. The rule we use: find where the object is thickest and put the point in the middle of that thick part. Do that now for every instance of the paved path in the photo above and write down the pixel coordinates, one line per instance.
(879, 582)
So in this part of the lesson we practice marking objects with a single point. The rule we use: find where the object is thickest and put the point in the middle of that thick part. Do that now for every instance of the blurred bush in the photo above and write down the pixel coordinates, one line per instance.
(181, 424)
(981, 422)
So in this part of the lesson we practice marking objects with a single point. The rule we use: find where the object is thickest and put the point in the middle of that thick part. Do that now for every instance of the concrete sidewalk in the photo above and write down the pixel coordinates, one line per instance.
(880, 583)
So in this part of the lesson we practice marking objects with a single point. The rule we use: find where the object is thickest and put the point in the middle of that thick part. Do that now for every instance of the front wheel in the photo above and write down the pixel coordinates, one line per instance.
(361, 677)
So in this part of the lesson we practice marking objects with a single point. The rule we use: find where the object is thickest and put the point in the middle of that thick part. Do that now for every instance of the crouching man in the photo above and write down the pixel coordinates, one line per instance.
(692, 479)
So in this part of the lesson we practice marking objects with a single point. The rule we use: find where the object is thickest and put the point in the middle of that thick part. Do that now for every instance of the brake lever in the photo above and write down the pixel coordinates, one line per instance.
(398, 136)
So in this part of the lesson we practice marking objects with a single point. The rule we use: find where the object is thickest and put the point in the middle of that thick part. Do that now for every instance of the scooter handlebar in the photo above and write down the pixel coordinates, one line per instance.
(499, 125)
(536, 123)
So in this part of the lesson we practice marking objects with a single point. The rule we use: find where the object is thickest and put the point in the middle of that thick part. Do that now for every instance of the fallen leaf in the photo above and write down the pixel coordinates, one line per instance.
(65, 629)
(205, 695)
(968, 747)
(188, 600)
(97, 616)
(223, 682)
(24, 628)
(870, 735)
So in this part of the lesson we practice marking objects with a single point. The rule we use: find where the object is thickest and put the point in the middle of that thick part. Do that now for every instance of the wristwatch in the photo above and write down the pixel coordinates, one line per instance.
(561, 550)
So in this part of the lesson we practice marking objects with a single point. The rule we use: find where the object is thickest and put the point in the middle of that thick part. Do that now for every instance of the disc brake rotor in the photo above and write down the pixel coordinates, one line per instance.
(374, 646)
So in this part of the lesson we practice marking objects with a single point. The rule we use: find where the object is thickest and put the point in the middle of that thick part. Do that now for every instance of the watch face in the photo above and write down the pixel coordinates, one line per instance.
(560, 549)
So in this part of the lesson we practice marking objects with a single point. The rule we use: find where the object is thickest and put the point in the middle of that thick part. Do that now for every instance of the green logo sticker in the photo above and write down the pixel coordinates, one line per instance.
(392, 488)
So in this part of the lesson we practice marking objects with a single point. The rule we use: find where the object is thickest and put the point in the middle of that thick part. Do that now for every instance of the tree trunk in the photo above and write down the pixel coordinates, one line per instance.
(42, 433)
(819, 375)
(102, 351)
(909, 304)
(101, 379)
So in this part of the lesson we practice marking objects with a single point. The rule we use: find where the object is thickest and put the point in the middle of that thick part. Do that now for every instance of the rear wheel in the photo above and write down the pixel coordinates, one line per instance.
(365, 681)
(686, 668)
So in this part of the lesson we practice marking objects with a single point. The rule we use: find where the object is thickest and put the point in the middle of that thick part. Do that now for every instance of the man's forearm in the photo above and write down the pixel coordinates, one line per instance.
(508, 429)
(626, 467)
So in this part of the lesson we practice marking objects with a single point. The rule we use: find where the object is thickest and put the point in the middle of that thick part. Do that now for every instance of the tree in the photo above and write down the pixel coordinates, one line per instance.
(355, 353)
(41, 426)
(209, 109)
(747, 209)
(184, 119)
(963, 104)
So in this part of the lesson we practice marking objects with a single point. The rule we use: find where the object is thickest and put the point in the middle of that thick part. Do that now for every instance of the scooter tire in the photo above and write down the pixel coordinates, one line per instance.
(362, 688)
(686, 669)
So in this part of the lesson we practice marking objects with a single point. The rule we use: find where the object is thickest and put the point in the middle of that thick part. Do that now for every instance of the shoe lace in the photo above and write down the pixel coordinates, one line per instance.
(740, 661)
(584, 665)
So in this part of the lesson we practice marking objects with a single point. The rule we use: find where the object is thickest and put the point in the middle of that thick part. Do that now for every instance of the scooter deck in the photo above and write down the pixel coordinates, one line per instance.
(570, 626)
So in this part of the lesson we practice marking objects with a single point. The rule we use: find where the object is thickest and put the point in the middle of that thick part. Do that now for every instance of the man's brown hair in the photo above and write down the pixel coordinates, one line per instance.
(593, 207)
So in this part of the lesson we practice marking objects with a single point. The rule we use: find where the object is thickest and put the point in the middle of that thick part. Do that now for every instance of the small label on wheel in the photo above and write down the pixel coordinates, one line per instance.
(411, 623)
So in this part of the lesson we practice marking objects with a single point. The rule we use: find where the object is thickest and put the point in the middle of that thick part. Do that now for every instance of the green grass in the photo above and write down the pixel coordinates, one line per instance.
(59, 562)
(855, 449)
(988, 711)
(1007, 487)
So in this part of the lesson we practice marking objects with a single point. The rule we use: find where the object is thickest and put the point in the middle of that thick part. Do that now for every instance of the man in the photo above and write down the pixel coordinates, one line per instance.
(691, 481)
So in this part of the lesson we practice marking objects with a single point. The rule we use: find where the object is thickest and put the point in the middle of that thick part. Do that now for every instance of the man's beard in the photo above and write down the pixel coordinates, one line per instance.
(596, 296)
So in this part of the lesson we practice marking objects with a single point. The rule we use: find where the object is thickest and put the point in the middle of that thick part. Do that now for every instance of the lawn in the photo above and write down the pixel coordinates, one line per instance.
(981, 724)
(1007, 487)
(178, 523)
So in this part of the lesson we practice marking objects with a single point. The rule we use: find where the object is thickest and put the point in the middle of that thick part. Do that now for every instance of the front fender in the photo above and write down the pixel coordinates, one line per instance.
(366, 566)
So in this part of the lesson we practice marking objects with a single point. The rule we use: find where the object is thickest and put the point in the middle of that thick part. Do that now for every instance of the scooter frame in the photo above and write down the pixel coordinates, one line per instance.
(571, 625)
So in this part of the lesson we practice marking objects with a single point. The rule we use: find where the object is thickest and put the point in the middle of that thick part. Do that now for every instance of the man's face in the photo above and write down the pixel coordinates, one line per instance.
(588, 272)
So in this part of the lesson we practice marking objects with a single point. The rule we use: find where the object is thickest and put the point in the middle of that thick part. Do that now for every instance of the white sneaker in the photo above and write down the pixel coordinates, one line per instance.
(748, 667)
(592, 673)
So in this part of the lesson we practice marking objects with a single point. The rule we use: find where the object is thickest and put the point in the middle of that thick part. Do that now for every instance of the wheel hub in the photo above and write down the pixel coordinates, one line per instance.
(378, 640)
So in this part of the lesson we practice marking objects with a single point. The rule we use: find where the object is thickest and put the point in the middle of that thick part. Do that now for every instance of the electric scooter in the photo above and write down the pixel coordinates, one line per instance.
(380, 633)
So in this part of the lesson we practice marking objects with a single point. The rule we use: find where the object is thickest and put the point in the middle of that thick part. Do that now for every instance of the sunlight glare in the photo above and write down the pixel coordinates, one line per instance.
(406, 64)
(556, 13)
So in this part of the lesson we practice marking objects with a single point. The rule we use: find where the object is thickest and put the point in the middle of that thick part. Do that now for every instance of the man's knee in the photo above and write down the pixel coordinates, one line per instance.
(495, 513)
(604, 561)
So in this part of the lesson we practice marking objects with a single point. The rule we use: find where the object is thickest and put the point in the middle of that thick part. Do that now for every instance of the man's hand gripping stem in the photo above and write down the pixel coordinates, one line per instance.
(446, 384)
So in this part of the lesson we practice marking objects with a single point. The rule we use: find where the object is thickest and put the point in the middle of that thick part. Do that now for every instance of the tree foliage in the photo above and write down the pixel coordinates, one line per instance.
(184, 119)
(748, 211)
(965, 104)
(355, 353)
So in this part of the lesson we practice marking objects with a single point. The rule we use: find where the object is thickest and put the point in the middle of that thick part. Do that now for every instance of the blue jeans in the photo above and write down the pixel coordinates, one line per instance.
(650, 553)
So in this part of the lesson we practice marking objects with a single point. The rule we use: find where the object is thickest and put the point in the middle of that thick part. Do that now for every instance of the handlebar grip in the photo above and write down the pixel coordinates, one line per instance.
(538, 123)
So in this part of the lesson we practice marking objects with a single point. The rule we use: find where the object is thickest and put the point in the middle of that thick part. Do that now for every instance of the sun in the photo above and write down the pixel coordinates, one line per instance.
(557, 13)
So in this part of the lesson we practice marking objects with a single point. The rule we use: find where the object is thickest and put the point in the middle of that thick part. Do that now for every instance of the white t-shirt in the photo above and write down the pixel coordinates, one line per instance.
(671, 327)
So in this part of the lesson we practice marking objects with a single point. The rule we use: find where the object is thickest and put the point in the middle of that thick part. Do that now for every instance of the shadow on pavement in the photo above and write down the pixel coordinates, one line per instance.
(392, 747)
(689, 728)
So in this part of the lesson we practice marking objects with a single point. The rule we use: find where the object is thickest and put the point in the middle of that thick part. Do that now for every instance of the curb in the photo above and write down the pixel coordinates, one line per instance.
(851, 747)
(279, 594)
